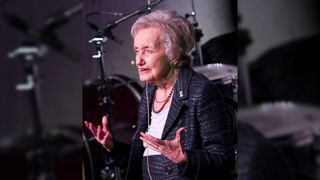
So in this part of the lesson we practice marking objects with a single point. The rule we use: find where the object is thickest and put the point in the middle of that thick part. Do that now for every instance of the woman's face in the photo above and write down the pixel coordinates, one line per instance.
(152, 63)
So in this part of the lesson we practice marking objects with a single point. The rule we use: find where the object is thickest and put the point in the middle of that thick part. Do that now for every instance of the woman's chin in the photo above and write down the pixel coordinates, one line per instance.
(144, 78)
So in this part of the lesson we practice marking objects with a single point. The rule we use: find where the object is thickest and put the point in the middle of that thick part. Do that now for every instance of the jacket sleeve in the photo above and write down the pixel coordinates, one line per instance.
(216, 155)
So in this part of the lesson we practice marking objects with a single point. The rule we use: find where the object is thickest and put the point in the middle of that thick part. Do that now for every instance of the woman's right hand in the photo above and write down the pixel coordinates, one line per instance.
(102, 134)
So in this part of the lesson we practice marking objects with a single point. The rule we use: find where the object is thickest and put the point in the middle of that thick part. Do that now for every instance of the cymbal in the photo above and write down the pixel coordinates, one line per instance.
(275, 119)
(217, 71)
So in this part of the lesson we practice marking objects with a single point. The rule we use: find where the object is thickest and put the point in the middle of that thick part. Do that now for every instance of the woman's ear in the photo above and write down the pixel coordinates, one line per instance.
(175, 60)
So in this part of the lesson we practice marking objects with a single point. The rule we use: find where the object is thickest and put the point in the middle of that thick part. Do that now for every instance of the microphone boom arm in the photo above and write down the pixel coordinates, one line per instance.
(141, 10)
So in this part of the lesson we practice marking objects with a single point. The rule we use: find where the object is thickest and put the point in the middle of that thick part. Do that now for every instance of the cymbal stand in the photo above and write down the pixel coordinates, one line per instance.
(39, 156)
(197, 34)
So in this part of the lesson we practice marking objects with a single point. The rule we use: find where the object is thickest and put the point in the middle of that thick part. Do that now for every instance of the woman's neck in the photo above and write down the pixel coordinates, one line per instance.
(168, 82)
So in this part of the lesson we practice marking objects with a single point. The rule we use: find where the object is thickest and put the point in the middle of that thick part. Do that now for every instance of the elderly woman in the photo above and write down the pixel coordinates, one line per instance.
(182, 130)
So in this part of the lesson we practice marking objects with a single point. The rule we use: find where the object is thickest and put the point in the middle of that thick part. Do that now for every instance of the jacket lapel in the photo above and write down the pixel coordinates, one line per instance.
(180, 93)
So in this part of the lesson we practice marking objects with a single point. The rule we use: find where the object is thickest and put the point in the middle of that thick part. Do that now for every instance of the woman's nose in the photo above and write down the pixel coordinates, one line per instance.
(139, 59)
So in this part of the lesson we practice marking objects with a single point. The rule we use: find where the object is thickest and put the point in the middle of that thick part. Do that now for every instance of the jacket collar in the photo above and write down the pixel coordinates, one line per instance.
(183, 81)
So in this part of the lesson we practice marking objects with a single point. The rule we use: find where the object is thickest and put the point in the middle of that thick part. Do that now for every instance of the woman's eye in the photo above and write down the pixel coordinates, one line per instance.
(149, 51)
(136, 51)
(144, 51)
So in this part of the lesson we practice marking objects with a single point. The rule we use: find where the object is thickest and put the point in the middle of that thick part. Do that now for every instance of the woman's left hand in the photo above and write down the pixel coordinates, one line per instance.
(172, 149)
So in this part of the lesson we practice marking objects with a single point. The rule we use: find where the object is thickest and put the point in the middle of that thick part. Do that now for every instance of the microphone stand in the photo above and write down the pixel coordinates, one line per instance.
(105, 102)
(103, 88)
(41, 161)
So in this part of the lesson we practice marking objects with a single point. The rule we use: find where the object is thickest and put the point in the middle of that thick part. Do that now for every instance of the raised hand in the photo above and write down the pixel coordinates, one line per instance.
(173, 149)
(102, 134)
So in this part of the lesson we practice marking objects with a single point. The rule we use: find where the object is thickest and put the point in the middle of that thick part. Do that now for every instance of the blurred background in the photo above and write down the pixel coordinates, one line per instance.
(262, 55)
(278, 115)
(41, 76)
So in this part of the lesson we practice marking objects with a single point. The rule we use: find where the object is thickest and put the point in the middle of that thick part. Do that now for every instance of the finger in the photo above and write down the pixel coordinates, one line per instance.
(178, 133)
(87, 124)
(151, 145)
(104, 123)
(107, 137)
(150, 138)
(98, 132)
(91, 127)
(142, 133)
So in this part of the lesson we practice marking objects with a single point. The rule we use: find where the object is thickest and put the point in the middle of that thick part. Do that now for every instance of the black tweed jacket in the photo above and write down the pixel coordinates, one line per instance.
(198, 106)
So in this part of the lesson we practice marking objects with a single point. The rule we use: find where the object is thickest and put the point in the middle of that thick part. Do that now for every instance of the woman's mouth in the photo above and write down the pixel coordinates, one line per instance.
(143, 70)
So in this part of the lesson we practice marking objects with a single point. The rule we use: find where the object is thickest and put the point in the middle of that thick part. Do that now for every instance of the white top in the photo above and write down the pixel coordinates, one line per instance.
(155, 129)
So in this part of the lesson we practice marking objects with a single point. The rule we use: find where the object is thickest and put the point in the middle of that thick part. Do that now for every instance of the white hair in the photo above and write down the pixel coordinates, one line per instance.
(178, 38)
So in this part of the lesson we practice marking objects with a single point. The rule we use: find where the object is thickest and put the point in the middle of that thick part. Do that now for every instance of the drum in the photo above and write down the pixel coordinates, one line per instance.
(125, 95)
(224, 76)
(282, 118)
(291, 126)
